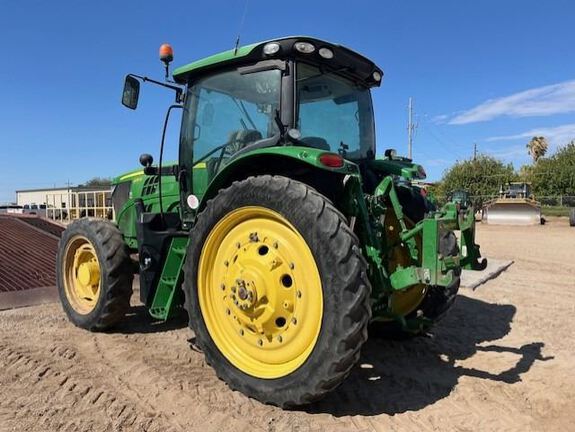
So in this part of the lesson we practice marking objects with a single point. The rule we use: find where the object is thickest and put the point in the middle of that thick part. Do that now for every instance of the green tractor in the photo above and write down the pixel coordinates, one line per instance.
(278, 230)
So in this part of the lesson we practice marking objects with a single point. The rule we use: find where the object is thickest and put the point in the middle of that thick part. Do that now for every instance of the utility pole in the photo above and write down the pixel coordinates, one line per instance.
(410, 129)
(474, 151)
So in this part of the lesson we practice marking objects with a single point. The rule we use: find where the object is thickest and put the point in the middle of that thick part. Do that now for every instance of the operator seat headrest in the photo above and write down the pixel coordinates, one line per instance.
(316, 142)
(245, 136)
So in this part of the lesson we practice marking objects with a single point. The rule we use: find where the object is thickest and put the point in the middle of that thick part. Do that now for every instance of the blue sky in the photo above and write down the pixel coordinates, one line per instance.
(490, 72)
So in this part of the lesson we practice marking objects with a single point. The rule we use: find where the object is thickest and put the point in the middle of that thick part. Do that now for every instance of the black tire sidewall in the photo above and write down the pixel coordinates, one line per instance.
(87, 228)
(289, 388)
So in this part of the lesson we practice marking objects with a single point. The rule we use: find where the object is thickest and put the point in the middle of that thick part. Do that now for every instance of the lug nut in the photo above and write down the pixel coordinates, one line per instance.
(299, 294)
(226, 263)
(223, 287)
(280, 339)
(228, 311)
(238, 245)
(241, 332)
(260, 342)
(275, 245)
(291, 266)
(294, 321)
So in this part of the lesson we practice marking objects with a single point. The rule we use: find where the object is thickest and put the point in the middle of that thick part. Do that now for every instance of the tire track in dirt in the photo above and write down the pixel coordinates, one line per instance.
(37, 391)
(501, 360)
(175, 378)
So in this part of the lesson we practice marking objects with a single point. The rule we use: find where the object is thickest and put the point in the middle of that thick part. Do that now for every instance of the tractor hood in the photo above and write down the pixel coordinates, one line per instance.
(401, 167)
(130, 175)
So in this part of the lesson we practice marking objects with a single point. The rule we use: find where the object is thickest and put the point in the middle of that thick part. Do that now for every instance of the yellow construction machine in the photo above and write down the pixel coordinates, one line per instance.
(515, 205)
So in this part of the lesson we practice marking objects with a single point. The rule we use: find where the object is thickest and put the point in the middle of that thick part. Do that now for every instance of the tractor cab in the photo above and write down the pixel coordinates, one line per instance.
(290, 92)
(301, 93)
(516, 190)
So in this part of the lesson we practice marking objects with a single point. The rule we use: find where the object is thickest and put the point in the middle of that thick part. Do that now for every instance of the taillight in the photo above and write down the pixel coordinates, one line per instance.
(331, 160)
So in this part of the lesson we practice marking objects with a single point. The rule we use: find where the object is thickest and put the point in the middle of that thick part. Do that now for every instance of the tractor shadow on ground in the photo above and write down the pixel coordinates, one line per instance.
(139, 321)
(398, 376)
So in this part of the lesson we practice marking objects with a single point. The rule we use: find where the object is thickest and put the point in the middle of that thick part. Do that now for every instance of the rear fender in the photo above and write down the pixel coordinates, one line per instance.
(299, 163)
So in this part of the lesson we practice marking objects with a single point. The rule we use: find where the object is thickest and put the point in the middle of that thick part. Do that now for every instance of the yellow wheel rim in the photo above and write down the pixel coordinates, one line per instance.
(81, 274)
(405, 301)
(260, 292)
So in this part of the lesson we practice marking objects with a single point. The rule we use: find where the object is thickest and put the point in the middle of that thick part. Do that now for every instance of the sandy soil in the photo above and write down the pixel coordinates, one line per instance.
(502, 360)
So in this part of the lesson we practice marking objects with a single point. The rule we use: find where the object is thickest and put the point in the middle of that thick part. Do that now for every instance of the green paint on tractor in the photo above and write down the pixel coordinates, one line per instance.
(277, 162)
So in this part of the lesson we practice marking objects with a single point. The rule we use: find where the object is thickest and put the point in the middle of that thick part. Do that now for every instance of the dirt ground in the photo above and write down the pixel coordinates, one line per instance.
(503, 359)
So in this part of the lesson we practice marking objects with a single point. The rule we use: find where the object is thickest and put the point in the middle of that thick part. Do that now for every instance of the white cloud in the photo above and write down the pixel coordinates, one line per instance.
(540, 101)
(557, 135)
(440, 119)
(508, 153)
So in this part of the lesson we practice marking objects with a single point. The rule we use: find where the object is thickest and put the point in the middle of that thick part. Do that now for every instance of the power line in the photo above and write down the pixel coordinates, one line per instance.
(445, 140)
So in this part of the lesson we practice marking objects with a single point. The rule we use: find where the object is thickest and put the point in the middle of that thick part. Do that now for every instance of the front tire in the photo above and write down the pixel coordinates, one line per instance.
(276, 290)
(94, 274)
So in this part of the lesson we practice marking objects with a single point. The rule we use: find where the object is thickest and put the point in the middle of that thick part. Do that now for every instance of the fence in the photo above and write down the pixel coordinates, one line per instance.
(546, 201)
(74, 205)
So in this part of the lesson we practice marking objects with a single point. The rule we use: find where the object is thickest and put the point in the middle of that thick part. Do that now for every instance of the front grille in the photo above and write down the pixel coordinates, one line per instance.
(150, 185)
(120, 195)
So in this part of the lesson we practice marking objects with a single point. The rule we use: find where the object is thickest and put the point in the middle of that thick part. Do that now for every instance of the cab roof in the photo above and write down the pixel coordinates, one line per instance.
(345, 61)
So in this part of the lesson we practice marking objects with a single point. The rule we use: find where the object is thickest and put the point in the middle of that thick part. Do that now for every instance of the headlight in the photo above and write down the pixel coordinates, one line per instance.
(304, 47)
(376, 76)
(271, 48)
(326, 53)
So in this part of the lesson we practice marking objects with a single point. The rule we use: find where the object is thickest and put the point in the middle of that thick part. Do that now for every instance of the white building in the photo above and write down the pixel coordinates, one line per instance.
(66, 202)
(39, 197)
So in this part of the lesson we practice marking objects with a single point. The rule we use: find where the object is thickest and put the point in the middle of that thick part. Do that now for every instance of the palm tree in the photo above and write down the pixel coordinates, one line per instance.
(537, 147)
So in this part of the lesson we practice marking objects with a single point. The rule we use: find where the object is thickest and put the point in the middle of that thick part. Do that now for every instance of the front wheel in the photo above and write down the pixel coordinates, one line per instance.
(94, 274)
(276, 290)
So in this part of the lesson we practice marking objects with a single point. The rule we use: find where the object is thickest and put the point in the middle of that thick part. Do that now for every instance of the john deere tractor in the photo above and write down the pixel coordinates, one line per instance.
(278, 230)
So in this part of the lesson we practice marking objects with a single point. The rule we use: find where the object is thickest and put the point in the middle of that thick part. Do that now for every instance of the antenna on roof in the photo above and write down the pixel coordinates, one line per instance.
(241, 27)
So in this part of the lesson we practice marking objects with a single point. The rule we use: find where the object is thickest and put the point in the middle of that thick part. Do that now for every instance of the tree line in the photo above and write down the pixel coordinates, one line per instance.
(483, 175)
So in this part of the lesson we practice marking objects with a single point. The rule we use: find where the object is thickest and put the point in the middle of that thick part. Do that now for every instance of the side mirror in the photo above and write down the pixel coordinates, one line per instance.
(131, 92)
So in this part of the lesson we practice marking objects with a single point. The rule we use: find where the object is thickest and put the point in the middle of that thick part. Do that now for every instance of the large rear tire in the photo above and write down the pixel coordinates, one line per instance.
(276, 290)
(94, 274)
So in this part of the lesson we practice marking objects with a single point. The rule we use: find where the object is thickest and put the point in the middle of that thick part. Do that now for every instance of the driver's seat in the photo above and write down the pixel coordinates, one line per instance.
(237, 140)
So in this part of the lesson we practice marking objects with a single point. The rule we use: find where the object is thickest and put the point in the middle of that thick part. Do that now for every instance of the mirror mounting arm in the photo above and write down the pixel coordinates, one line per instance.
(179, 90)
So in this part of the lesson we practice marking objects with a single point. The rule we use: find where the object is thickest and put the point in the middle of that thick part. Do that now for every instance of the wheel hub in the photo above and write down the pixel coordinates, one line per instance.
(262, 283)
(81, 275)
(88, 273)
(245, 297)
